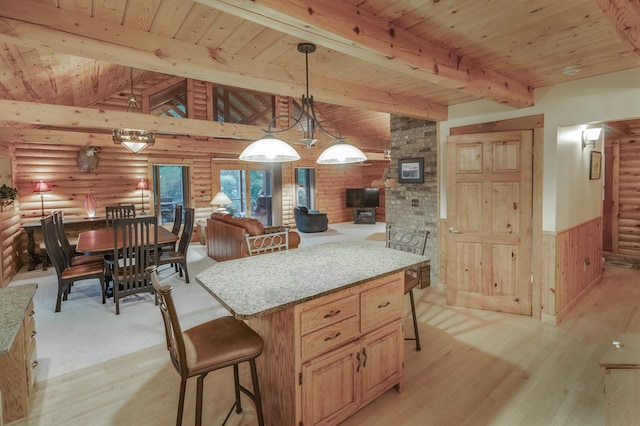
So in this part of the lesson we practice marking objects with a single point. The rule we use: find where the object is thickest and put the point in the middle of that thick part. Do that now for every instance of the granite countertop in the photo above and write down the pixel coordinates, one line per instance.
(14, 302)
(254, 286)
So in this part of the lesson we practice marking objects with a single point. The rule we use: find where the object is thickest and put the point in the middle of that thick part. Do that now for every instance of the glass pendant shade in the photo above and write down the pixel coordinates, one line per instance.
(269, 150)
(341, 153)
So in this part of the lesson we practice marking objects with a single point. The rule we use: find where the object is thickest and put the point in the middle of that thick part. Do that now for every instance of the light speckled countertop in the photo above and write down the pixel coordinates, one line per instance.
(14, 302)
(254, 286)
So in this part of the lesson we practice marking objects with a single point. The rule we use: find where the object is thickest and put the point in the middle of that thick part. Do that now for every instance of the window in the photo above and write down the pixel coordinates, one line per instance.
(251, 192)
(305, 188)
(170, 102)
(171, 187)
(242, 107)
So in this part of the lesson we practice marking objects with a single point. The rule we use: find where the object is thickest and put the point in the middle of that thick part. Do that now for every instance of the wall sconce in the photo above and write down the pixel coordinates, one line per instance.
(590, 137)
(41, 187)
(142, 185)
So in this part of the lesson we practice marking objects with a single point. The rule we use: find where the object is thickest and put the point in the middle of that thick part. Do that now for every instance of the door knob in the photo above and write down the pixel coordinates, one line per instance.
(454, 231)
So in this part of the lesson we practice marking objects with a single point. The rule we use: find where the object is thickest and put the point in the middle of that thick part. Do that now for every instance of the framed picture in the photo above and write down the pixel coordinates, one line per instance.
(596, 165)
(411, 170)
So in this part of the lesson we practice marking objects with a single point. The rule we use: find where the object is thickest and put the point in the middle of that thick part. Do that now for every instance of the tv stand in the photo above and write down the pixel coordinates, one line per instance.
(364, 215)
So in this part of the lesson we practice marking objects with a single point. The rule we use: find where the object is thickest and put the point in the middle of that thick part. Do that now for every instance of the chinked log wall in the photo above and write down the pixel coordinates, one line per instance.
(628, 195)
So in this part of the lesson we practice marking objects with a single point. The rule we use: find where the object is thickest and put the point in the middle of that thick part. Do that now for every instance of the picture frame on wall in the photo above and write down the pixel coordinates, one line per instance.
(596, 165)
(411, 170)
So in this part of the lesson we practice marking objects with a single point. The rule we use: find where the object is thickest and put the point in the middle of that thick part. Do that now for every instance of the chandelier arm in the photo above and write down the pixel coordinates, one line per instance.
(296, 122)
(319, 122)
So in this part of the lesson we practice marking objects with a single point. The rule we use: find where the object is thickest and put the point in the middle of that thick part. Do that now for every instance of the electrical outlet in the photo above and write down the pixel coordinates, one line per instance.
(414, 202)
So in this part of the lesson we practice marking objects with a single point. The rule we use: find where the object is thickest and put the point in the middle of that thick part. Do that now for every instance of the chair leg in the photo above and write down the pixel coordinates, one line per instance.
(199, 400)
(183, 266)
(236, 388)
(183, 387)
(59, 298)
(415, 321)
(257, 399)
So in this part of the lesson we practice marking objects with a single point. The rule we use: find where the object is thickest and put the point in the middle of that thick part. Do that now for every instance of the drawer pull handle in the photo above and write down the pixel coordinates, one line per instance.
(364, 352)
(332, 313)
(384, 305)
(33, 334)
(32, 313)
(338, 333)
(358, 358)
(35, 364)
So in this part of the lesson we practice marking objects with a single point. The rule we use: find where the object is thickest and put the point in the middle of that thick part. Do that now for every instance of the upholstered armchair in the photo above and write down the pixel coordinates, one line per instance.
(310, 222)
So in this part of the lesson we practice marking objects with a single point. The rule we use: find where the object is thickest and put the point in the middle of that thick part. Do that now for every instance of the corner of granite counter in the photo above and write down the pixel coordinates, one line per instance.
(14, 302)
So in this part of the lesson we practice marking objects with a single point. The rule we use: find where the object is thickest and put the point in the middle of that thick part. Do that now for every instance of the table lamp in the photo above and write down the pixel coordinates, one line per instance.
(219, 201)
(42, 187)
(142, 185)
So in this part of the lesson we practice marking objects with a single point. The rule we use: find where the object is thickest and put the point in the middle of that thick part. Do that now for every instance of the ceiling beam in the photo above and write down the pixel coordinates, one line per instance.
(624, 16)
(39, 26)
(351, 30)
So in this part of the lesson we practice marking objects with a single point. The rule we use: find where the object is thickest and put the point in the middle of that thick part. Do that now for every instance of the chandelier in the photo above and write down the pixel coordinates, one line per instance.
(272, 149)
(135, 140)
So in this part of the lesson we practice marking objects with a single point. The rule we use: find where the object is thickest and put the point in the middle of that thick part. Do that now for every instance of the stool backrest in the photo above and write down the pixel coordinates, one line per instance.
(173, 332)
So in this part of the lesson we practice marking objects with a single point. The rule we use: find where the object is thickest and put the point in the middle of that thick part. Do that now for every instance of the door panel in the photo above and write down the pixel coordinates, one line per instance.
(489, 209)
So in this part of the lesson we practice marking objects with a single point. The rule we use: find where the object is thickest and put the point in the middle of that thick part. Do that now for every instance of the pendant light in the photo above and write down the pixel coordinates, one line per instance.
(272, 149)
(135, 140)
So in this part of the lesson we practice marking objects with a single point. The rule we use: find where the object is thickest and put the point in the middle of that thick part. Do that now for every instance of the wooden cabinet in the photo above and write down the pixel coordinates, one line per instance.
(348, 350)
(622, 381)
(17, 374)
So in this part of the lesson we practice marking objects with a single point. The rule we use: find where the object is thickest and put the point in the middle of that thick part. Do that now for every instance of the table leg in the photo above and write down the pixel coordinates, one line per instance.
(35, 258)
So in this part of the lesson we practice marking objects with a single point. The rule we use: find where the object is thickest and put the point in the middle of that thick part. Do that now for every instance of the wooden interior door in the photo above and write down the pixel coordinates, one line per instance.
(489, 214)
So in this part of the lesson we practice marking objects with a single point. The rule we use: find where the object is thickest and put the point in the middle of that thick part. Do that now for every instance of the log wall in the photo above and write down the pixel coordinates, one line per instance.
(628, 193)
(10, 258)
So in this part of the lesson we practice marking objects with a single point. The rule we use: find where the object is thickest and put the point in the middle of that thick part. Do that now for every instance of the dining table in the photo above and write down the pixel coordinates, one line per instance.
(100, 241)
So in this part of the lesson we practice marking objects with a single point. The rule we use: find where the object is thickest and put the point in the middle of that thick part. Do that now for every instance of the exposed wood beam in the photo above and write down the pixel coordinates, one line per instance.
(90, 118)
(36, 25)
(351, 30)
(625, 18)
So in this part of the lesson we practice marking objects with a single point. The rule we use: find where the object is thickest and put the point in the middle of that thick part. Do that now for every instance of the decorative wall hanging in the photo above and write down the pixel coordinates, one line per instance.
(596, 165)
(90, 204)
(411, 170)
(87, 158)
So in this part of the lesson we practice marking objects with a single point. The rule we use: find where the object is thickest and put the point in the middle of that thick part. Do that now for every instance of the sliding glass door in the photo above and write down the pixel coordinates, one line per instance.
(171, 187)
(251, 191)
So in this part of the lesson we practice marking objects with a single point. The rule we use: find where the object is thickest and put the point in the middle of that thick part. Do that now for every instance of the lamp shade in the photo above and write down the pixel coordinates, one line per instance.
(269, 150)
(142, 184)
(341, 153)
(593, 134)
(41, 187)
(221, 199)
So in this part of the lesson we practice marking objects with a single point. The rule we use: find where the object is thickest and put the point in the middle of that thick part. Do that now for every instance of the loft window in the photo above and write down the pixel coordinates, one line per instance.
(242, 107)
(170, 102)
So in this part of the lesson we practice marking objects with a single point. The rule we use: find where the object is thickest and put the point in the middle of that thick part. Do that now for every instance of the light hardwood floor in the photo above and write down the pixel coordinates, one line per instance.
(475, 368)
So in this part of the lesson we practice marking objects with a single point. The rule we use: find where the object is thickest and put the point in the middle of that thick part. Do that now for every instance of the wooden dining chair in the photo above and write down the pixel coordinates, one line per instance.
(412, 242)
(207, 347)
(178, 257)
(118, 212)
(135, 249)
(71, 256)
(175, 229)
(67, 275)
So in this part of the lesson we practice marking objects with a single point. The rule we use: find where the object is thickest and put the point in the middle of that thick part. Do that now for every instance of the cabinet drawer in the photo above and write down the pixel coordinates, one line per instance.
(380, 305)
(330, 313)
(330, 337)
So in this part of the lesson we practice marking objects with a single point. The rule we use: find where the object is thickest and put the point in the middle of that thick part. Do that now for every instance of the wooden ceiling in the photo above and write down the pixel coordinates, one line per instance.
(406, 57)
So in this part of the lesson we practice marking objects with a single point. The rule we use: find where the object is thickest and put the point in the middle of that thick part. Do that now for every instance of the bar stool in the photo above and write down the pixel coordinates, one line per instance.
(213, 345)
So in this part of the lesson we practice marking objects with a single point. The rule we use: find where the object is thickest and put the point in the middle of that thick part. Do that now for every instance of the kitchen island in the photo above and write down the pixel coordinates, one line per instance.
(331, 317)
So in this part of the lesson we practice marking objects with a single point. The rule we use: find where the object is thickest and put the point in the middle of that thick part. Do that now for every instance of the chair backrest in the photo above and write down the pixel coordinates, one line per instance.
(267, 243)
(119, 212)
(187, 232)
(411, 241)
(173, 332)
(52, 245)
(67, 249)
(177, 219)
(135, 247)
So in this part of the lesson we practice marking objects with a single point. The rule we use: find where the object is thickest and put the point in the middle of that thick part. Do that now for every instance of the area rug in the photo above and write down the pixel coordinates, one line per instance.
(85, 332)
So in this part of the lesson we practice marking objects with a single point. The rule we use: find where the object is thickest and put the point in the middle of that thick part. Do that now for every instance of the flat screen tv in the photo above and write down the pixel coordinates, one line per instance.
(363, 197)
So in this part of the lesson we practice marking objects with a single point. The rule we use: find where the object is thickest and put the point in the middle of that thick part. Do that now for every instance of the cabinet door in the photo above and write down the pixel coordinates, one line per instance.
(382, 353)
(331, 386)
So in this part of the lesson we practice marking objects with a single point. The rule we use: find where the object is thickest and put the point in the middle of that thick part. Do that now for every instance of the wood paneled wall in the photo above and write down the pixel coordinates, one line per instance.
(10, 259)
(578, 266)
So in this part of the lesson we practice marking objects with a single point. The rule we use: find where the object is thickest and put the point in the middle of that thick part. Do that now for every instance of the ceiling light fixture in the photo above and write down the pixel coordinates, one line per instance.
(272, 149)
(135, 140)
